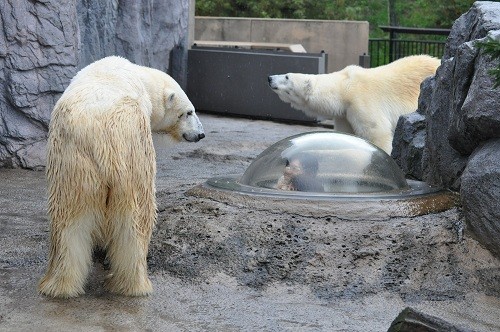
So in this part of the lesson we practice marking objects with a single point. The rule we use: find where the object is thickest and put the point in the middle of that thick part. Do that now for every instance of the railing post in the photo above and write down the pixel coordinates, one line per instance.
(392, 37)
(396, 49)
(364, 61)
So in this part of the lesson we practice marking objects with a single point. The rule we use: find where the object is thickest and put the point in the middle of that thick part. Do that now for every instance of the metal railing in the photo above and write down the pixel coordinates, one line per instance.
(383, 50)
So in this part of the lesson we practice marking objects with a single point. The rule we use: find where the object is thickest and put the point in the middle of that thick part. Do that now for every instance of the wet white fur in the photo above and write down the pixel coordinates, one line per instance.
(101, 172)
(366, 102)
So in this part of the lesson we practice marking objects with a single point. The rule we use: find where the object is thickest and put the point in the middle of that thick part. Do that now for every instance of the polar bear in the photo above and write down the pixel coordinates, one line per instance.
(364, 102)
(101, 172)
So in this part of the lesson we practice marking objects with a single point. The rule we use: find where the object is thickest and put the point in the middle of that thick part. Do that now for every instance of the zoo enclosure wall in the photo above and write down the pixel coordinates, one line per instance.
(343, 41)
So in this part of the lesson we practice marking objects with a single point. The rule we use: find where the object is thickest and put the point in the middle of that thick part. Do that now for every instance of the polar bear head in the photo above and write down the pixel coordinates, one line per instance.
(172, 113)
(320, 96)
(292, 88)
(178, 117)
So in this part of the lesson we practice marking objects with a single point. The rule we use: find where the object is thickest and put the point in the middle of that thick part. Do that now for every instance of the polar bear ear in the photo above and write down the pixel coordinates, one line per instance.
(168, 97)
(171, 97)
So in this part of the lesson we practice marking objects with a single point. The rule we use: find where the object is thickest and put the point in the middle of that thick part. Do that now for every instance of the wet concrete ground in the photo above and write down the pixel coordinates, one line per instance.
(257, 268)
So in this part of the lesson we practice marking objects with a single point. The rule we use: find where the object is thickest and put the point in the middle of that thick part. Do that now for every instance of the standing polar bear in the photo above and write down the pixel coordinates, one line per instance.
(101, 172)
(366, 102)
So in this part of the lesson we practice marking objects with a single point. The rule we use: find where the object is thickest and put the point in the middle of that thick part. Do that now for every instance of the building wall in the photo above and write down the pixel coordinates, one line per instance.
(343, 41)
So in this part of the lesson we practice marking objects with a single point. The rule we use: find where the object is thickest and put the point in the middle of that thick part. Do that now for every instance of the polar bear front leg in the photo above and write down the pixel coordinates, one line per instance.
(379, 137)
(376, 130)
(383, 141)
(70, 257)
(341, 124)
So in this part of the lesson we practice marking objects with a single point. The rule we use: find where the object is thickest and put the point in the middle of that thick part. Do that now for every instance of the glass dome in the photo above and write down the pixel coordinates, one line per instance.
(331, 170)
(325, 162)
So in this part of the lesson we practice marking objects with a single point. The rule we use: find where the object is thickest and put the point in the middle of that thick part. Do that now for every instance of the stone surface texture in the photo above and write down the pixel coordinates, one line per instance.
(39, 45)
(410, 131)
(410, 320)
(460, 104)
(459, 120)
(253, 265)
(44, 43)
(236, 265)
(480, 194)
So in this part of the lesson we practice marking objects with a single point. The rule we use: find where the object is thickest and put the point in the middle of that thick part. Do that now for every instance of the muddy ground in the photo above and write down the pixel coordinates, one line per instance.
(252, 266)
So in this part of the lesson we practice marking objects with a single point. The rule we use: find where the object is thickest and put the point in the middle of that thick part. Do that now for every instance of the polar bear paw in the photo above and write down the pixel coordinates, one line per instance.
(60, 287)
(129, 286)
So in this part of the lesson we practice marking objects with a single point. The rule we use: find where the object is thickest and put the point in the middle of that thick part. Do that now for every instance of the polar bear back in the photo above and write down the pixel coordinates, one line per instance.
(393, 88)
(100, 122)
(99, 86)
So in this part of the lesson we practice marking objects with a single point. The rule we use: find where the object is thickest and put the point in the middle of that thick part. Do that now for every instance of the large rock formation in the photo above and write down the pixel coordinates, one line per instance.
(44, 43)
(145, 32)
(38, 56)
(459, 119)
(481, 194)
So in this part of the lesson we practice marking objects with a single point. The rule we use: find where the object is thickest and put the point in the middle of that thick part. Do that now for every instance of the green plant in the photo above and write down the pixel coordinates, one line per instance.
(415, 13)
(492, 47)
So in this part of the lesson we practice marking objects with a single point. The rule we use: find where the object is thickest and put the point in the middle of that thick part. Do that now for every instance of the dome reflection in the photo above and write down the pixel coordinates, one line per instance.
(329, 173)
(325, 162)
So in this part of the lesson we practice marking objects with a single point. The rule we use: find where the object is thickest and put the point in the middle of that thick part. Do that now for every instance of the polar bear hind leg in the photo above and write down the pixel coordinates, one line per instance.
(70, 259)
(127, 248)
(74, 206)
(131, 207)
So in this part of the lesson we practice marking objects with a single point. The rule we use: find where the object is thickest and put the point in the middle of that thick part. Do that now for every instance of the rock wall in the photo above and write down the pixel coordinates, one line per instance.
(44, 43)
(458, 118)
(146, 32)
(38, 56)
(480, 194)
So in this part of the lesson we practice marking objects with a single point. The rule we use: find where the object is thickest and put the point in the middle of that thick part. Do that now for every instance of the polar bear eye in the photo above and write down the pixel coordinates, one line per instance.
(180, 115)
(286, 77)
(190, 113)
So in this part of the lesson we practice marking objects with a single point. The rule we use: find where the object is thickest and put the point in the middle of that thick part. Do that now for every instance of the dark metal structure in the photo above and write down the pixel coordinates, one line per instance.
(383, 51)
(234, 81)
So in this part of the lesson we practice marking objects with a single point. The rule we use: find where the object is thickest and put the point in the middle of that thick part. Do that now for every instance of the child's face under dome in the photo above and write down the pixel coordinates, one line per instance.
(293, 168)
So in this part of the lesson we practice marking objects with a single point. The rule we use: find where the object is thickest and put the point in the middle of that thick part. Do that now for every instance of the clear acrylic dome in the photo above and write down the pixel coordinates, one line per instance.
(327, 172)
(325, 162)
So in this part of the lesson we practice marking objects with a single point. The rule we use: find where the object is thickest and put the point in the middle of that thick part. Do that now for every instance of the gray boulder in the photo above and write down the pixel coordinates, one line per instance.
(408, 149)
(411, 320)
(459, 104)
(44, 43)
(38, 56)
(461, 125)
(480, 195)
(477, 115)
(482, 17)
(442, 165)
(410, 134)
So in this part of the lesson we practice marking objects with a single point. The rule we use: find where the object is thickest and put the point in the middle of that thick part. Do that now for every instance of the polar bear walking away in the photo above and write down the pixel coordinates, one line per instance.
(101, 172)
(365, 102)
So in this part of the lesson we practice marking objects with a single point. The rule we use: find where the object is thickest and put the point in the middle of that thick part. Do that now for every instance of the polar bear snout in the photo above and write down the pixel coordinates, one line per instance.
(192, 128)
(280, 82)
(192, 137)
(272, 82)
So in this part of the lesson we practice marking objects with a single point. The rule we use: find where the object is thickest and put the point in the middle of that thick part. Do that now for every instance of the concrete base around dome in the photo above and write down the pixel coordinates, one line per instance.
(351, 207)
